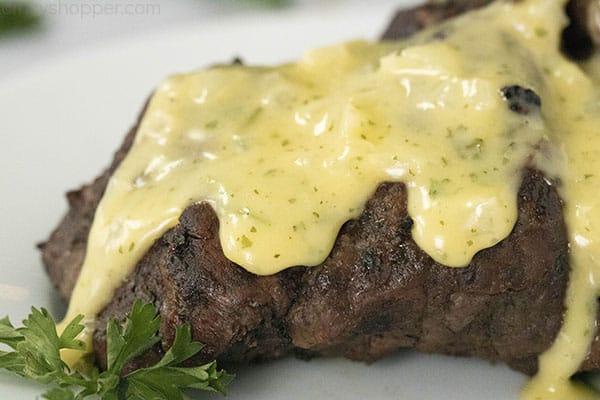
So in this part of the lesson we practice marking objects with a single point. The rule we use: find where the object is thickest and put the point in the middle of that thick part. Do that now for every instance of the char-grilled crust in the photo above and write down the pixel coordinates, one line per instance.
(375, 293)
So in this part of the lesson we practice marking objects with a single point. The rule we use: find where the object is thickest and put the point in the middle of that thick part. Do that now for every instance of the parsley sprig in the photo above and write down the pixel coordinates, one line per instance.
(35, 354)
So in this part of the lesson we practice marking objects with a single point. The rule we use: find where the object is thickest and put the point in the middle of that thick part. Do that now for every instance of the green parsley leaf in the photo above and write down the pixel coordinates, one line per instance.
(39, 348)
(140, 334)
(36, 355)
(68, 338)
(59, 394)
(8, 335)
(143, 382)
(17, 15)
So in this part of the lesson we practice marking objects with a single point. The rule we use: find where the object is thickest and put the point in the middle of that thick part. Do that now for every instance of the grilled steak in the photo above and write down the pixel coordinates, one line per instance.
(375, 293)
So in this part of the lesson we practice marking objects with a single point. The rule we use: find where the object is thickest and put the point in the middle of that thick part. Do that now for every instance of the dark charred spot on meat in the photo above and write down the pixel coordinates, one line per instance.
(521, 100)
(469, 274)
(561, 264)
(370, 261)
(542, 204)
(376, 323)
(576, 41)
(406, 225)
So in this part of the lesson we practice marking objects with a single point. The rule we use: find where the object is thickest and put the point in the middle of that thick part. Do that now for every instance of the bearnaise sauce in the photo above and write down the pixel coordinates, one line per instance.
(286, 155)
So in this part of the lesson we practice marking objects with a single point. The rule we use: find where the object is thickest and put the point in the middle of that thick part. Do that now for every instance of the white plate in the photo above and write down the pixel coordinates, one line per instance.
(60, 124)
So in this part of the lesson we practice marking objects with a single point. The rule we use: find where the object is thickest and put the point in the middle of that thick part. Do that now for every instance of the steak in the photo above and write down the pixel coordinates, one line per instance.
(375, 293)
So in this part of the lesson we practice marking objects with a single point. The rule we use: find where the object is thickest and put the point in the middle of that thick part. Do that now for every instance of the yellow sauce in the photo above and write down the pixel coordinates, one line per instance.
(286, 155)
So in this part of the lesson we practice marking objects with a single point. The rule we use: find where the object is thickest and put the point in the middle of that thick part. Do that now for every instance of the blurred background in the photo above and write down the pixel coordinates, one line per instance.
(33, 31)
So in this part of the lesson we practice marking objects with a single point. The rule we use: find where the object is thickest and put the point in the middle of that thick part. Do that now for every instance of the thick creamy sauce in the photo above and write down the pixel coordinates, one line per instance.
(286, 155)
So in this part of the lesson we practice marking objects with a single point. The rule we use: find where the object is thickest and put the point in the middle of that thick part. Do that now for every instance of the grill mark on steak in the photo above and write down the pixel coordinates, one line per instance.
(377, 291)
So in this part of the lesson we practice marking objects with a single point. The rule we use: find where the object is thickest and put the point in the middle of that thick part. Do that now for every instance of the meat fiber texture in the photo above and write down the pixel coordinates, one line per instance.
(377, 291)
